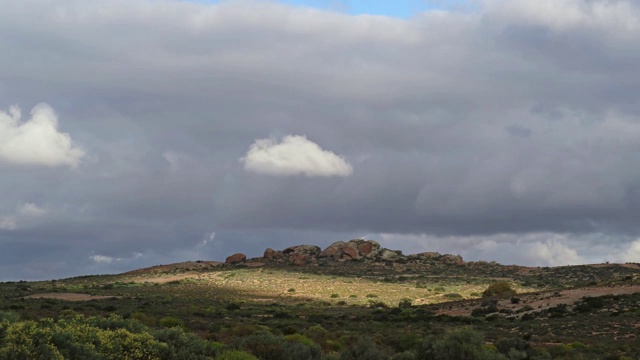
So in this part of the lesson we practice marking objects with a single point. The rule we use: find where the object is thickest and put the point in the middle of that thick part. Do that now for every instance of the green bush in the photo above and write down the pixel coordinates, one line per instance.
(236, 355)
(499, 289)
(267, 346)
(459, 344)
(299, 338)
(170, 322)
(77, 337)
(183, 345)
(452, 296)
(363, 349)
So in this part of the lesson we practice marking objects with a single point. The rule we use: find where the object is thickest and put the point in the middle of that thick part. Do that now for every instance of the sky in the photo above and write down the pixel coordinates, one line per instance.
(142, 132)
(398, 8)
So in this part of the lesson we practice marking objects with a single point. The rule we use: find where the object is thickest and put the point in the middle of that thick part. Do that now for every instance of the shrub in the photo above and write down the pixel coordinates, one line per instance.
(499, 289)
(182, 345)
(452, 296)
(406, 355)
(363, 349)
(264, 345)
(9, 316)
(267, 346)
(169, 322)
(236, 355)
(463, 343)
(405, 303)
(299, 338)
(77, 337)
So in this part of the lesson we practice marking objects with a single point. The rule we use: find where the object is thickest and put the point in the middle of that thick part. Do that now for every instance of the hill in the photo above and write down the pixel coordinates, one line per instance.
(357, 291)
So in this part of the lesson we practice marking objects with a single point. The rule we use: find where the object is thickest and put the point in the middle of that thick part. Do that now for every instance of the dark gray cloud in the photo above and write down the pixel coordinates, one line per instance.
(516, 123)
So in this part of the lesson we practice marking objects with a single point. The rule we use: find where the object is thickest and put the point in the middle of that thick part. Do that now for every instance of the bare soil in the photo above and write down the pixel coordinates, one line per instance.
(539, 301)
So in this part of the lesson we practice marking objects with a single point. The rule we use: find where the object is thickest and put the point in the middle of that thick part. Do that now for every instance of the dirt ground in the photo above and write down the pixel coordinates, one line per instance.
(538, 301)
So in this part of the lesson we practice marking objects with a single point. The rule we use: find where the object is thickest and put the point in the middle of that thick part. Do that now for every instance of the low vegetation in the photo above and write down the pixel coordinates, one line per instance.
(345, 310)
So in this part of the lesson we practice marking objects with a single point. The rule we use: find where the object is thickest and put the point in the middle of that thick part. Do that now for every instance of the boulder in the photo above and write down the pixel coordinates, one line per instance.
(302, 249)
(351, 252)
(368, 247)
(301, 259)
(387, 254)
(334, 250)
(271, 254)
(452, 259)
(236, 258)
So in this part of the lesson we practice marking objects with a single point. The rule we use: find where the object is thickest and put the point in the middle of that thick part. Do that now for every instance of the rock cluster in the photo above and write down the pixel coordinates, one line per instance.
(342, 251)
(359, 250)
(296, 255)
(353, 250)
(441, 258)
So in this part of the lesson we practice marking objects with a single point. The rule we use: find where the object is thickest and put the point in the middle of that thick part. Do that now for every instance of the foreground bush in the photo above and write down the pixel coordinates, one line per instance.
(79, 337)
(267, 346)
(459, 344)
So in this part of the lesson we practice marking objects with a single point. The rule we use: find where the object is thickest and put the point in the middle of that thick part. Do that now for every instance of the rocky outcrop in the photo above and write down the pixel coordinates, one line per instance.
(296, 255)
(447, 259)
(357, 249)
(236, 258)
(429, 255)
(346, 251)
(302, 249)
(272, 255)
(334, 250)
(451, 259)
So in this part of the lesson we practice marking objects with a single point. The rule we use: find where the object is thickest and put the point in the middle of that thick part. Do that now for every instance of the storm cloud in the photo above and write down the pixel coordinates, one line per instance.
(174, 131)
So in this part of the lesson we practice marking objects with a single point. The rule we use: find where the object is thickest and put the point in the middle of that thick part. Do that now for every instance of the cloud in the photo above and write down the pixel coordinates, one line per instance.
(36, 141)
(102, 259)
(105, 259)
(542, 249)
(7, 223)
(514, 123)
(31, 210)
(25, 213)
(295, 155)
(631, 254)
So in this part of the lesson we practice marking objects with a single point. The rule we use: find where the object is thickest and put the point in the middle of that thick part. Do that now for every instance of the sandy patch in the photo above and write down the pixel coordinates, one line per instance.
(162, 279)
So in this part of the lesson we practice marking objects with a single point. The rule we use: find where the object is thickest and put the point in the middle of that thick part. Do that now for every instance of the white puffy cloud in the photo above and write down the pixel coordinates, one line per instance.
(534, 249)
(36, 141)
(105, 259)
(632, 253)
(554, 252)
(295, 155)
(102, 259)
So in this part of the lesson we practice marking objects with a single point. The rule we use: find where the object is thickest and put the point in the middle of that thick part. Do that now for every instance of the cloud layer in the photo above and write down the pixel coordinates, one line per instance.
(501, 121)
(295, 155)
